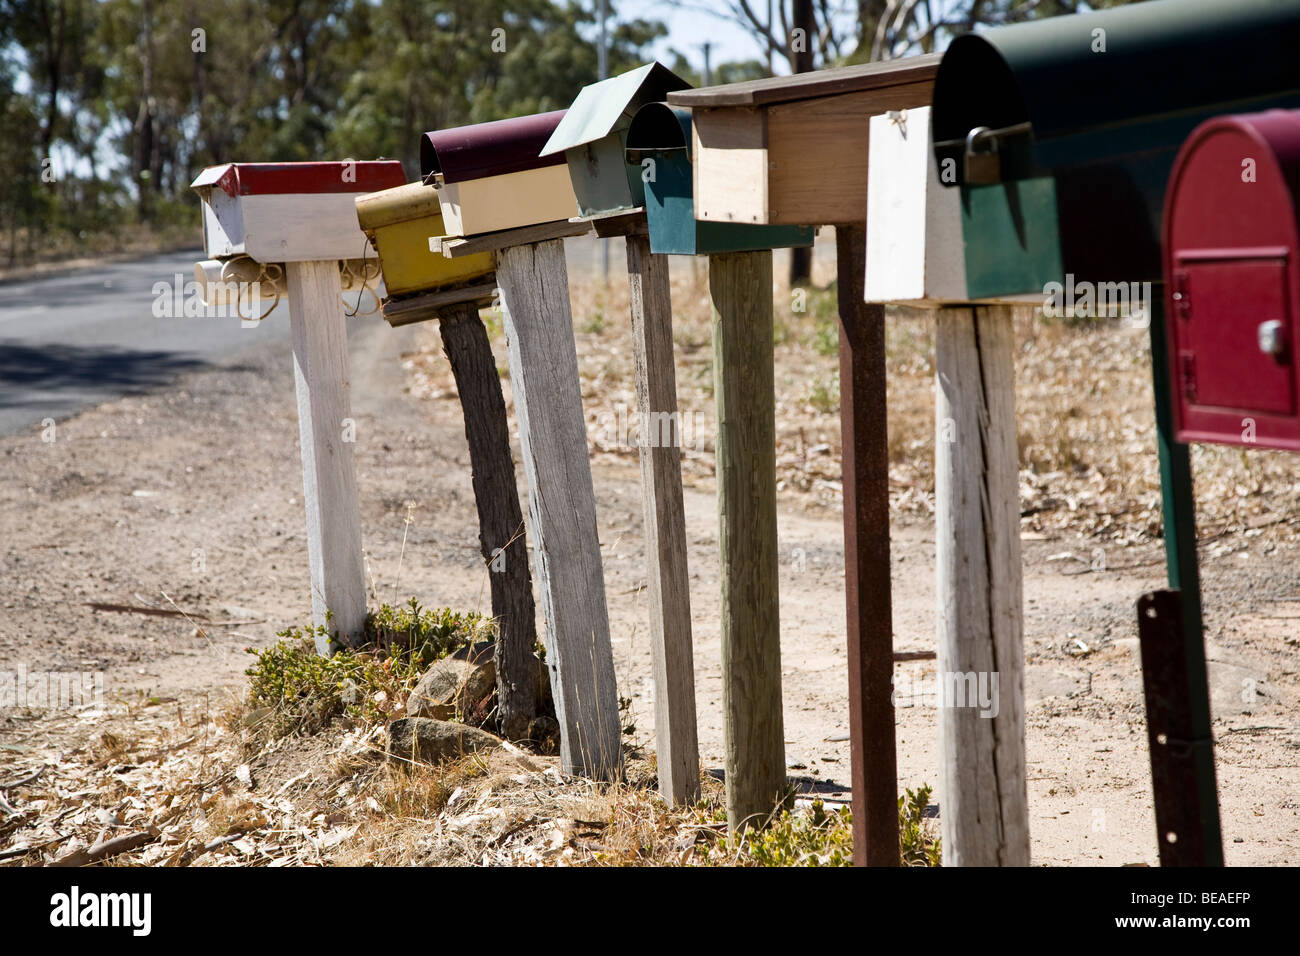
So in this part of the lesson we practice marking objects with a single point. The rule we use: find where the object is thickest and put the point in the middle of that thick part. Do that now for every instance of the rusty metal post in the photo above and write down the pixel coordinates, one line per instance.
(864, 437)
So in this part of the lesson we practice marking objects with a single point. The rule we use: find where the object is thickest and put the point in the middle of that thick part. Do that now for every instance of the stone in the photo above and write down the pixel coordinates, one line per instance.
(434, 741)
(458, 685)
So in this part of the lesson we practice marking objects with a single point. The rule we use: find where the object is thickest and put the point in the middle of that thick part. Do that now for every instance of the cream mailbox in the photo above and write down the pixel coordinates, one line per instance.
(593, 135)
(490, 176)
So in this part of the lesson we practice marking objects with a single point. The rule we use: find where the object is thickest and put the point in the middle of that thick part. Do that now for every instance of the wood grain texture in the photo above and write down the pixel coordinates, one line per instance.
(729, 165)
(740, 284)
(818, 83)
(977, 516)
(453, 247)
(500, 519)
(667, 575)
(329, 481)
(867, 587)
(562, 503)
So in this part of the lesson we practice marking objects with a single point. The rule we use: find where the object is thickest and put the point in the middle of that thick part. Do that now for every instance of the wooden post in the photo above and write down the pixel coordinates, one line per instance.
(980, 661)
(562, 501)
(668, 582)
(329, 480)
(740, 284)
(867, 585)
(500, 520)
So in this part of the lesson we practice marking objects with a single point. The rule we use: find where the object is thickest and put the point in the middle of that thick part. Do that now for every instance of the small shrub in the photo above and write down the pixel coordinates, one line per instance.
(918, 844)
(303, 692)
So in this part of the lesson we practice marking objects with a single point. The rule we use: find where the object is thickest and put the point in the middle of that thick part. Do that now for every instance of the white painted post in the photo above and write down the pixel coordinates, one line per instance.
(977, 531)
(320, 367)
(562, 502)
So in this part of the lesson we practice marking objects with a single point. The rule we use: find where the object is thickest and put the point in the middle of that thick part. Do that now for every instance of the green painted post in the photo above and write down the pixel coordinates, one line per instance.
(1178, 505)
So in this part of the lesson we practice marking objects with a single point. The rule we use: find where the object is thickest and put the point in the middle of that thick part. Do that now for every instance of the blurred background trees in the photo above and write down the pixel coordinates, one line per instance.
(110, 107)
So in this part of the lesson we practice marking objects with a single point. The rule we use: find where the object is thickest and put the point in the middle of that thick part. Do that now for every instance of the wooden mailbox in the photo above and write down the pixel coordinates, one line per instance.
(593, 135)
(304, 216)
(490, 176)
(1232, 281)
(660, 135)
(276, 212)
(793, 150)
(400, 223)
(1061, 132)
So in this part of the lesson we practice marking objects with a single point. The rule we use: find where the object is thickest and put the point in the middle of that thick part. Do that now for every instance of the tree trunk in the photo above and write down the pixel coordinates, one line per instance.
(500, 518)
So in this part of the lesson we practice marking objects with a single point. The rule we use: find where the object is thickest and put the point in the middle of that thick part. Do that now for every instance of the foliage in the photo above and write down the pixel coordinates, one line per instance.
(817, 837)
(293, 689)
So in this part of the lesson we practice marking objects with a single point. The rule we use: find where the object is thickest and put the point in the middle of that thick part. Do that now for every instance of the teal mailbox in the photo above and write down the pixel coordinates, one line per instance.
(1061, 132)
(593, 134)
(659, 156)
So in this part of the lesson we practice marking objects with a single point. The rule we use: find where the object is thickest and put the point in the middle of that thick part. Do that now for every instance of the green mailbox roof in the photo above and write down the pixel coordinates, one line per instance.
(1120, 81)
(609, 105)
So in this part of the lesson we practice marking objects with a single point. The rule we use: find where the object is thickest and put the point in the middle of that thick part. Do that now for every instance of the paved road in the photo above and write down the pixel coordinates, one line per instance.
(72, 341)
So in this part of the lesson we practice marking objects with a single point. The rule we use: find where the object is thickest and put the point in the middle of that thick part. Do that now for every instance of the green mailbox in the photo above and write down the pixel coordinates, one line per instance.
(593, 134)
(659, 156)
(1061, 132)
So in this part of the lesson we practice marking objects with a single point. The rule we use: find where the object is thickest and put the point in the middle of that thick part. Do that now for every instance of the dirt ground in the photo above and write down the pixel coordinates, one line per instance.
(190, 499)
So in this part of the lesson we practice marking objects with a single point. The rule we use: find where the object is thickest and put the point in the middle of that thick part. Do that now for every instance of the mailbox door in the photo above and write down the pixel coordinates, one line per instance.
(1219, 308)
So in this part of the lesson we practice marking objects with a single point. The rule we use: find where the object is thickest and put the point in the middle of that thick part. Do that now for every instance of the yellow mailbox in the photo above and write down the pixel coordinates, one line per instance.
(400, 222)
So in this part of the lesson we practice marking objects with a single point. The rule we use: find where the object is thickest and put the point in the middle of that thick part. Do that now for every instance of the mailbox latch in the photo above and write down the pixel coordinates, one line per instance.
(1272, 338)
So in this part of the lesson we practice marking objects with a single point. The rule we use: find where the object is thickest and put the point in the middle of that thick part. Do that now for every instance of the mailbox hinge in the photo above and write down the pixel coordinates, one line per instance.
(1182, 301)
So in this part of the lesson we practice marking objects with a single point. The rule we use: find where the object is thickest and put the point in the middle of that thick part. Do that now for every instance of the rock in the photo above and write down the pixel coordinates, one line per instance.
(433, 741)
(462, 682)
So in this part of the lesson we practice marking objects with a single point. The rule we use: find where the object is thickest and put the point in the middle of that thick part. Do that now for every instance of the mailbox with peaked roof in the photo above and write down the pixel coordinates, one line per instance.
(593, 134)
(1232, 282)
(282, 212)
(792, 150)
(659, 155)
(1061, 132)
(491, 177)
(400, 222)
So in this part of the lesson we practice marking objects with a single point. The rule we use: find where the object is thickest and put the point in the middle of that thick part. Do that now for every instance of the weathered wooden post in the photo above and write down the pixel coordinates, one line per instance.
(611, 195)
(914, 257)
(424, 285)
(658, 146)
(302, 215)
(498, 196)
(793, 150)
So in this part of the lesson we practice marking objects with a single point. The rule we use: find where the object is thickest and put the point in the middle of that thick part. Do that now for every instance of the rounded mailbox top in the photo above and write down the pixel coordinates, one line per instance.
(1235, 186)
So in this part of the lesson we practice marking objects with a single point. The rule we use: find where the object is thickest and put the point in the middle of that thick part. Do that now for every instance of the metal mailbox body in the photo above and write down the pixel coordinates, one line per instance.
(1070, 125)
(1232, 281)
(662, 135)
(491, 177)
(281, 212)
(792, 150)
(400, 222)
(593, 135)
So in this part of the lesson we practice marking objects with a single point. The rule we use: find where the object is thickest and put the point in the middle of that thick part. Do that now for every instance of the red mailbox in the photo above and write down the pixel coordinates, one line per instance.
(1232, 281)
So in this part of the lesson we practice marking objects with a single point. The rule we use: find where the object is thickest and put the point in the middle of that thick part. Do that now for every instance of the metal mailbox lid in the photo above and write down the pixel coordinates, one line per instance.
(399, 204)
(608, 106)
(1232, 263)
(489, 149)
(1116, 82)
(276, 179)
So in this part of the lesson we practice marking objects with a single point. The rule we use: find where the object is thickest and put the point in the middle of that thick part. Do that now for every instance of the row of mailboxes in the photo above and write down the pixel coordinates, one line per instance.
(1232, 281)
(1061, 133)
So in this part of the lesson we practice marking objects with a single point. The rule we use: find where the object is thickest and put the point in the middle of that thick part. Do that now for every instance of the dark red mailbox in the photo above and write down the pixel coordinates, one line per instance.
(1232, 281)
